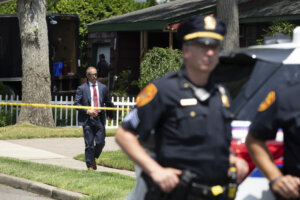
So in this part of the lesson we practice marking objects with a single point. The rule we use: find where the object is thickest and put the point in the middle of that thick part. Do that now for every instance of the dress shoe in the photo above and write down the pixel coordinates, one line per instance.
(94, 165)
(90, 169)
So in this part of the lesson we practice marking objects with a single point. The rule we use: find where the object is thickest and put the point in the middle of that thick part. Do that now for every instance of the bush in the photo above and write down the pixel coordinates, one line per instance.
(283, 27)
(122, 84)
(63, 121)
(157, 62)
(6, 118)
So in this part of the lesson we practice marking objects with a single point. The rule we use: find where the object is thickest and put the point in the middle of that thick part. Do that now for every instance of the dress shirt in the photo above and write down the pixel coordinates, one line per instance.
(92, 94)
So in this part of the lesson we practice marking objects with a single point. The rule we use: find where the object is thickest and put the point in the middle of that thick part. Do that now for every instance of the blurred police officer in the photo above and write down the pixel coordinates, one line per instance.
(280, 109)
(188, 114)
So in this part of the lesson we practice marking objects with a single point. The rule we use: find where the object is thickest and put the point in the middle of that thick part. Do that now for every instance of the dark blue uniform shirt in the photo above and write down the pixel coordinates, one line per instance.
(281, 109)
(189, 134)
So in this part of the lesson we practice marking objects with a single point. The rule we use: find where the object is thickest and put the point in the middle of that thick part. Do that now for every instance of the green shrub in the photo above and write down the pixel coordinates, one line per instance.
(122, 84)
(157, 62)
(6, 90)
(63, 121)
(6, 118)
(283, 27)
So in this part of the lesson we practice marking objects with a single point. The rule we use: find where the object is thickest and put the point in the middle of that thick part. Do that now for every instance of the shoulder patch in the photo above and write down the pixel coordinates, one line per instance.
(146, 95)
(269, 100)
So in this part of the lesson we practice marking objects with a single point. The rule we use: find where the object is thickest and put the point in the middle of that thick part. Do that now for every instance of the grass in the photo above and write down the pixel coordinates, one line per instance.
(98, 185)
(21, 131)
(113, 159)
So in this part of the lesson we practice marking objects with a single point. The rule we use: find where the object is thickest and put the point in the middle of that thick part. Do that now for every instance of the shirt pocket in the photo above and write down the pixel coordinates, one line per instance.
(191, 122)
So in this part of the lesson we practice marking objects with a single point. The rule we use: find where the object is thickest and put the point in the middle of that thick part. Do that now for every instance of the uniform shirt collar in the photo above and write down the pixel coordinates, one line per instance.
(201, 93)
(185, 81)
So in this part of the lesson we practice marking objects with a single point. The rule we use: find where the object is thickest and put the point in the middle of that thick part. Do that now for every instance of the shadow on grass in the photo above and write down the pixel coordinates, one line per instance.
(113, 159)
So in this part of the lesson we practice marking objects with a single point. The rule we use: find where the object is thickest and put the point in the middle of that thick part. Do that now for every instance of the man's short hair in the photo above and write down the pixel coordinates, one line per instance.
(102, 56)
(90, 67)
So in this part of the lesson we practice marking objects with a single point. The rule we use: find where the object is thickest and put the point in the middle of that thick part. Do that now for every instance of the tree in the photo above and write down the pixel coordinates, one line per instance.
(227, 11)
(8, 7)
(35, 62)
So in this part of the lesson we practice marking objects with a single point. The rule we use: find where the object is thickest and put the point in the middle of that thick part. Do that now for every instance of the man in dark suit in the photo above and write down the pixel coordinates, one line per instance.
(94, 94)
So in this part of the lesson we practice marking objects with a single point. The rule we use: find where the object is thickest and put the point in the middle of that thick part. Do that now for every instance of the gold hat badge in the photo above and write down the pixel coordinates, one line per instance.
(210, 23)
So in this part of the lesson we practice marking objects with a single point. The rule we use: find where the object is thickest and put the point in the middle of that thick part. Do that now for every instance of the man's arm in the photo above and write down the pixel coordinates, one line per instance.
(241, 165)
(78, 100)
(287, 186)
(108, 103)
(166, 178)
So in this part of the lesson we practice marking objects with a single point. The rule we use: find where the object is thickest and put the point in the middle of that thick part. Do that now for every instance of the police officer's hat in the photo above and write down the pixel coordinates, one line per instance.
(204, 29)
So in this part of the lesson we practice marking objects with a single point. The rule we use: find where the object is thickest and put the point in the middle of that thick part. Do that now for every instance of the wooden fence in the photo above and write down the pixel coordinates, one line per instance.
(66, 116)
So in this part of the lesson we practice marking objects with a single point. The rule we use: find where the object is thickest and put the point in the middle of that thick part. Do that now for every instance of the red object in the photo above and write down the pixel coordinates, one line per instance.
(66, 69)
(95, 98)
(276, 149)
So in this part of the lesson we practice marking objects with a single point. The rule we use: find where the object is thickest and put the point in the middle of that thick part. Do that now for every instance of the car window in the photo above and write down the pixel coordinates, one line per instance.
(264, 78)
(262, 72)
(250, 74)
(234, 71)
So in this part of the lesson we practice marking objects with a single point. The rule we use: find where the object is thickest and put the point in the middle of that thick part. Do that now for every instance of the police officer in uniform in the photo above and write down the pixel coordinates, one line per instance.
(280, 109)
(188, 114)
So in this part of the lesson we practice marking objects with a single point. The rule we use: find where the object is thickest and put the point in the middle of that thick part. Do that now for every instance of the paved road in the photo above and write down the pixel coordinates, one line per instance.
(9, 193)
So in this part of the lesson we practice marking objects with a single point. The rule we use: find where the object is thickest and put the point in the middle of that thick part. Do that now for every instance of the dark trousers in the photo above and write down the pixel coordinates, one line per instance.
(188, 196)
(278, 197)
(94, 139)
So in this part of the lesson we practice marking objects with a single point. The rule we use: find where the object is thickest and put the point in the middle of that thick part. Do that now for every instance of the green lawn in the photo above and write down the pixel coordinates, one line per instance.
(32, 131)
(113, 159)
(98, 185)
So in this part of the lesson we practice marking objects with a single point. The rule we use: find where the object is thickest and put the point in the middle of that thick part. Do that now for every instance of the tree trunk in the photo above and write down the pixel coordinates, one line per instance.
(227, 11)
(36, 80)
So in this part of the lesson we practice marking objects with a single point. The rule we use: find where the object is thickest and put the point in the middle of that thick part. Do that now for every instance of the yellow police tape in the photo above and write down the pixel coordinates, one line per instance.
(60, 106)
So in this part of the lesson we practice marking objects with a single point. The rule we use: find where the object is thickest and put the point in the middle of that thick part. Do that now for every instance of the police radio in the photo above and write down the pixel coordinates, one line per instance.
(232, 184)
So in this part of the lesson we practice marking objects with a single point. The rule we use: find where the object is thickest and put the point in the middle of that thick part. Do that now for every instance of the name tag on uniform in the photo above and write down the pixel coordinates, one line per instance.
(188, 102)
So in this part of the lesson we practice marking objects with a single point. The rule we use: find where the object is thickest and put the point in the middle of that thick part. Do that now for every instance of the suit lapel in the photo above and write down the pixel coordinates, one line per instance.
(100, 93)
(88, 91)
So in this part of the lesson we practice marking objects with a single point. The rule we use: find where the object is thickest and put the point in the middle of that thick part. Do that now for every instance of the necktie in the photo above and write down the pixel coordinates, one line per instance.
(95, 98)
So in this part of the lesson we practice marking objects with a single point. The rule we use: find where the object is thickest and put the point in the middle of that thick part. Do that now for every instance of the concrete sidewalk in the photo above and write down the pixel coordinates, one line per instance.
(56, 151)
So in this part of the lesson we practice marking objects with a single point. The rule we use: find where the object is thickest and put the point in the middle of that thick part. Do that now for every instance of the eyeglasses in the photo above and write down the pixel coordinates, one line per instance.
(92, 75)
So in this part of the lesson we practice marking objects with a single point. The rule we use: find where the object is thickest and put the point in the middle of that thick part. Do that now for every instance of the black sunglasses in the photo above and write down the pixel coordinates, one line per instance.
(92, 75)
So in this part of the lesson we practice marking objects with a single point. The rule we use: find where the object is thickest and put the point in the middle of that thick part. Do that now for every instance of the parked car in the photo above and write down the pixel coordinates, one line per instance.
(250, 73)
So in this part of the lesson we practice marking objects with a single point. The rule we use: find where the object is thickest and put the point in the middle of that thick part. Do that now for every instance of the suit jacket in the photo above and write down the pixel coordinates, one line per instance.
(83, 98)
